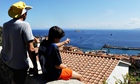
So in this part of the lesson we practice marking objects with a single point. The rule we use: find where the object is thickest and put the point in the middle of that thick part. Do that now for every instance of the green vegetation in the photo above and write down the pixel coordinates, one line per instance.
(133, 77)
(134, 72)
(128, 79)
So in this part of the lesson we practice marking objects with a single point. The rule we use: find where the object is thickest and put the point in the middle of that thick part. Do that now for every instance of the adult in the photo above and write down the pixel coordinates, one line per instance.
(17, 39)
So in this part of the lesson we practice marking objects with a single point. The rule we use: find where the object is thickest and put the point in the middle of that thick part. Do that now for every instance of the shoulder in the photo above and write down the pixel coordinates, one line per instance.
(23, 23)
(54, 45)
(25, 26)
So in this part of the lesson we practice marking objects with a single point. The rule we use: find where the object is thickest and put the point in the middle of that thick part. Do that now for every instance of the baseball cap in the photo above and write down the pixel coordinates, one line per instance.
(18, 9)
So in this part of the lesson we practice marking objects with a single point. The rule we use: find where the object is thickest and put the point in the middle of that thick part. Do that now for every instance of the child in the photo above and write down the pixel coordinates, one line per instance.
(50, 59)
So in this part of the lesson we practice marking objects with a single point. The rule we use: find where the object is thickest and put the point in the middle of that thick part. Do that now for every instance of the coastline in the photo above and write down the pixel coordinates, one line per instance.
(88, 40)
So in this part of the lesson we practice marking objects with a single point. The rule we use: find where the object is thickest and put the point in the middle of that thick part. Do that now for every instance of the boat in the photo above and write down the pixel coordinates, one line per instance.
(121, 47)
(77, 30)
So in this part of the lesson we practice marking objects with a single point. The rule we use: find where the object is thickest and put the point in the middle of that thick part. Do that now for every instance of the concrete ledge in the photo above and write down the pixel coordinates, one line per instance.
(71, 81)
(39, 80)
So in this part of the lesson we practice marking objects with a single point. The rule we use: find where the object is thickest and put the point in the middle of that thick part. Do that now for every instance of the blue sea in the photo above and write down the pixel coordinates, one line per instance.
(88, 40)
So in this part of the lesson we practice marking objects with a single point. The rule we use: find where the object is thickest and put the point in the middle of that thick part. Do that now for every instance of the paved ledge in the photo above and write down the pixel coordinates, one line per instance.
(39, 80)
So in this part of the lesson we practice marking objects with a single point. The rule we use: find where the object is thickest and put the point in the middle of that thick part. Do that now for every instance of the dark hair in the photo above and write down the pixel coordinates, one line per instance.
(55, 32)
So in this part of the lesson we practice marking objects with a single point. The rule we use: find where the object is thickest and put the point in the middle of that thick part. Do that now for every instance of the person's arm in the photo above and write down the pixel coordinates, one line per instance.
(37, 41)
(61, 66)
(31, 51)
(63, 43)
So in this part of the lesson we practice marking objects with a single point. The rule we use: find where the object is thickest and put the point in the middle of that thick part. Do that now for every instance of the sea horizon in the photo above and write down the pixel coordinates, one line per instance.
(89, 28)
(89, 40)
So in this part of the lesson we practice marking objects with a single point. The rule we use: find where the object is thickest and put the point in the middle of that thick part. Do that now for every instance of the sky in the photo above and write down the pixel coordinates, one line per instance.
(78, 14)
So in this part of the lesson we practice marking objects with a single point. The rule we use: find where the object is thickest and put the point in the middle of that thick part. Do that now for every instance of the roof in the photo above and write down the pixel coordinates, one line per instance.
(93, 68)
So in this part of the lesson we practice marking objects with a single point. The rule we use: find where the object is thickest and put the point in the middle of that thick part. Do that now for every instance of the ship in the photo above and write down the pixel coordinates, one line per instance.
(77, 30)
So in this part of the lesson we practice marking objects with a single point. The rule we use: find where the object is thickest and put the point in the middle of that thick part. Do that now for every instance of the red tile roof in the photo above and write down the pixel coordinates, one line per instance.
(94, 69)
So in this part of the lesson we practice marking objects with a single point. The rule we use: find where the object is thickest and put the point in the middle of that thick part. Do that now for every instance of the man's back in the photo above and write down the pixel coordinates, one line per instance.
(14, 35)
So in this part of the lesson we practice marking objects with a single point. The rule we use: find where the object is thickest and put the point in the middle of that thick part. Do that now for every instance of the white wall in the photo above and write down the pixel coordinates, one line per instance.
(120, 69)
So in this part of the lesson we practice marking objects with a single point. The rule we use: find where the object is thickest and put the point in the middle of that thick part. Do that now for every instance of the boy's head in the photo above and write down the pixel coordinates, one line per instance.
(55, 33)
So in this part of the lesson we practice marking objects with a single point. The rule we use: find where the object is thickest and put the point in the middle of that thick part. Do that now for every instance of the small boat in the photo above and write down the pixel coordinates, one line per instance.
(77, 30)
